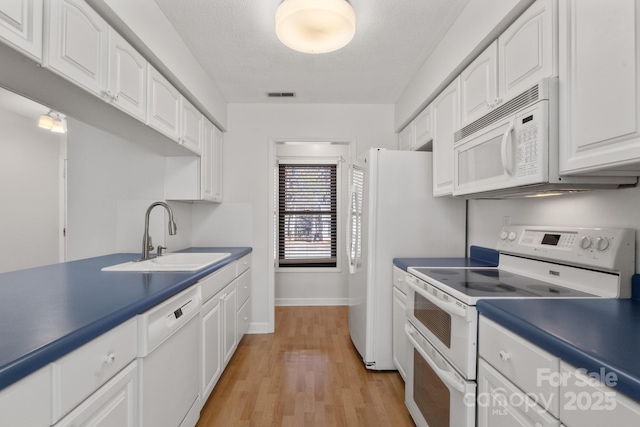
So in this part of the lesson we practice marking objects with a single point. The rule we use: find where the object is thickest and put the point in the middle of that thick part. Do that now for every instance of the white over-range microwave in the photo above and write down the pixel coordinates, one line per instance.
(513, 151)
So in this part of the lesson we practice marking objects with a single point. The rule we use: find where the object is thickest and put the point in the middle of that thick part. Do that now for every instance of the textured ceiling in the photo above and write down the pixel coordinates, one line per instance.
(235, 42)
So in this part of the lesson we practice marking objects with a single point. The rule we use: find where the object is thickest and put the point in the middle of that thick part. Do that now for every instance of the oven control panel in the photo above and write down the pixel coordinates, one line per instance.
(603, 248)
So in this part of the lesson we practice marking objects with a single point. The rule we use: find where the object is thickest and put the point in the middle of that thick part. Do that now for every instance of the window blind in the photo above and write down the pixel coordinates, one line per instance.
(307, 215)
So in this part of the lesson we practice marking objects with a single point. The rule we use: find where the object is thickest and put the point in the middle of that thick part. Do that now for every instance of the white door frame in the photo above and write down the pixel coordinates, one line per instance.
(271, 203)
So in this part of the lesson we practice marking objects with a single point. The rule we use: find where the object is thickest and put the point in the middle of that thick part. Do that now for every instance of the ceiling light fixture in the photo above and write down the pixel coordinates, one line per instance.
(315, 26)
(53, 121)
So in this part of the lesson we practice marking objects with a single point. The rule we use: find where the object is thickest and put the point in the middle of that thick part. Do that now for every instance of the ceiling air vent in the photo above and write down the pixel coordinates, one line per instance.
(281, 94)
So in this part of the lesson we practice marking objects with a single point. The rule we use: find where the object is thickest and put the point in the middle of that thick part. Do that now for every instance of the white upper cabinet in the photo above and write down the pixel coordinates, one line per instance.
(21, 26)
(211, 163)
(163, 105)
(479, 85)
(599, 85)
(446, 120)
(525, 53)
(419, 132)
(423, 127)
(127, 83)
(405, 138)
(527, 50)
(76, 44)
(190, 126)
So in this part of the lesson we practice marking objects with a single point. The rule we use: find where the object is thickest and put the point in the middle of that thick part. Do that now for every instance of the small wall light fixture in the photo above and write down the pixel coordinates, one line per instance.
(53, 121)
(315, 26)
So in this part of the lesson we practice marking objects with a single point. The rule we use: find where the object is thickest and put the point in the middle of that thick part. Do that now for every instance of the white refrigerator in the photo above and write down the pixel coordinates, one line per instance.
(392, 214)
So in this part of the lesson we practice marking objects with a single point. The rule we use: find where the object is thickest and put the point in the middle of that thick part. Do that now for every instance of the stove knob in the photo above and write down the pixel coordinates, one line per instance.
(512, 235)
(503, 235)
(585, 242)
(602, 244)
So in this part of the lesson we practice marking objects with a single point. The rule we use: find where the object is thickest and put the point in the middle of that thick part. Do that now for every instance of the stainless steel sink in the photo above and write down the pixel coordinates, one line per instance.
(172, 262)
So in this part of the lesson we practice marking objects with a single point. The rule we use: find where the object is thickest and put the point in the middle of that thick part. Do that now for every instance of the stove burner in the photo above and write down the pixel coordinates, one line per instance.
(490, 287)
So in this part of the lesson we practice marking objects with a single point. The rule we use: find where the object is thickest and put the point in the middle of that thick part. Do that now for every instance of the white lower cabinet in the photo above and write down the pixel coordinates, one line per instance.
(86, 369)
(520, 384)
(27, 403)
(223, 323)
(587, 401)
(502, 404)
(400, 342)
(230, 316)
(114, 404)
(102, 383)
(211, 345)
(244, 304)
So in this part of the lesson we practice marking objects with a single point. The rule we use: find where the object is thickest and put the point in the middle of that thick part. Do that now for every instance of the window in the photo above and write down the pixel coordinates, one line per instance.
(307, 215)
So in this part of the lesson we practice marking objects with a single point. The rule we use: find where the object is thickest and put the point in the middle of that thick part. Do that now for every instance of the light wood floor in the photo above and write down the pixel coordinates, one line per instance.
(306, 374)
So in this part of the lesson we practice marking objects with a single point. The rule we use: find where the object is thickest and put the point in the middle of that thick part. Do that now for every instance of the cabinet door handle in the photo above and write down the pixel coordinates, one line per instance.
(504, 355)
(110, 359)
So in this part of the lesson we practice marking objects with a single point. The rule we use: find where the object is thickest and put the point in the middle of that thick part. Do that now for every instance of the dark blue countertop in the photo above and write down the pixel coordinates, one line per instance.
(587, 333)
(478, 257)
(46, 312)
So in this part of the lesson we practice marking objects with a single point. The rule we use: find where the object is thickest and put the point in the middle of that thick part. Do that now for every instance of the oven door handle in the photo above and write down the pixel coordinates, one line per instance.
(448, 306)
(446, 376)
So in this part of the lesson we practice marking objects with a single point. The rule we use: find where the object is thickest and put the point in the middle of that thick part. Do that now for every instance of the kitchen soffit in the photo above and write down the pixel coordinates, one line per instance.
(236, 44)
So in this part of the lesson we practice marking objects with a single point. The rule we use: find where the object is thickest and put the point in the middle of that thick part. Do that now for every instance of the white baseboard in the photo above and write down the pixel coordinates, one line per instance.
(258, 328)
(311, 301)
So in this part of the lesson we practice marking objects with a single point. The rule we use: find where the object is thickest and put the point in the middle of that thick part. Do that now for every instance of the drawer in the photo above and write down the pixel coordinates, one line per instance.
(27, 403)
(523, 363)
(213, 283)
(243, 264)
(244, 287)
(81, 372)
(398, 279)
(244, 319)
(586, 401)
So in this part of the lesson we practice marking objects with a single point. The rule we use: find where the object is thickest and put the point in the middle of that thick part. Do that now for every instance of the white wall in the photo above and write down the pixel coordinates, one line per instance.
(111, 182)
(29, 191)
(603, 208)
(247, 169)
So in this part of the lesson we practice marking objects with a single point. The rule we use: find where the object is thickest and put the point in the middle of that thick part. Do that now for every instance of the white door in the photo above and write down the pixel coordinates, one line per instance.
(400, 343)
(423, 127)
(211, 342)
(230, 321)
(77, 44)
(127, 88)
(163, 105)
(527, 50)
(479, 86)
(21, 26)
(191, 126)
(446, 121)
(502, 404)
(114, 404)
(599, 85)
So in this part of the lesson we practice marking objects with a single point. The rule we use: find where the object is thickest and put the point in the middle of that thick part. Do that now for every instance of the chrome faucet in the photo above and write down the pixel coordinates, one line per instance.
(147, 245)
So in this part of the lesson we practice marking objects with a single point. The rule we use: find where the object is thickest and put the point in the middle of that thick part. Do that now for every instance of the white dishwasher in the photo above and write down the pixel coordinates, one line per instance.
(168, 352)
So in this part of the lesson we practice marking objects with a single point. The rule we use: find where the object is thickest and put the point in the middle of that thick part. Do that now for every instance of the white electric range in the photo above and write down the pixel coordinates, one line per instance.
(535, 262)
